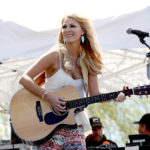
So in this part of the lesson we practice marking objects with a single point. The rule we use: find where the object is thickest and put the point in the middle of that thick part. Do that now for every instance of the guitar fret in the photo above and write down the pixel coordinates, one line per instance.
(88, 100)
(106, 97)
(76, 104)
(97, 98)
(110, 96)
(70, 105)
(80, 102)
(83, 102)
(92, 99)
(113, 95)
(116, 94)
(103, 97)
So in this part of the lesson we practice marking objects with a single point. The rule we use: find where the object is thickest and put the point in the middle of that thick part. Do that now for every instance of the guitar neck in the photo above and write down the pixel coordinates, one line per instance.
(83, 102)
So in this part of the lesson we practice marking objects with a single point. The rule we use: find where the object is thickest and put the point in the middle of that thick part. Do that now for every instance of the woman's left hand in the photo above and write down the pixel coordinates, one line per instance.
(121, 97)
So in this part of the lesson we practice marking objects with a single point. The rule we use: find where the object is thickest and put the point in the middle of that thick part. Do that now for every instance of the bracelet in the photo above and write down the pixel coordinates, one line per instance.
(44, 94)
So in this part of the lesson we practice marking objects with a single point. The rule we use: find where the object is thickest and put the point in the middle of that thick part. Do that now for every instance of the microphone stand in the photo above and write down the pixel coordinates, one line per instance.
(147, 55)
(143, 42)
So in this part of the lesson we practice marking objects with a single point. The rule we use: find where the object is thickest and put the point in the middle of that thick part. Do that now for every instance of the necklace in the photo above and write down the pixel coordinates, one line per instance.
(75, 69)
(74, 63)
(73, 60)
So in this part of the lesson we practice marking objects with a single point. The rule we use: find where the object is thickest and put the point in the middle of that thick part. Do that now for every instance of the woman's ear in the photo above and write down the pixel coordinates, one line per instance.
(83, 32)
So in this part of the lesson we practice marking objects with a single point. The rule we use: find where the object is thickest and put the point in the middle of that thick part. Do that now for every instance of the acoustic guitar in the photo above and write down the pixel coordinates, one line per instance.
(34, 120)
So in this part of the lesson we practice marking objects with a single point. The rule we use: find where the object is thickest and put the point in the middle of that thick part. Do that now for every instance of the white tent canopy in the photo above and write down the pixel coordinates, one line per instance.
(123, 63)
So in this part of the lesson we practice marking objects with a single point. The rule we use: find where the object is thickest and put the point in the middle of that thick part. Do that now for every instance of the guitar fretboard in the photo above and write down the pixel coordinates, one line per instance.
(83, 102)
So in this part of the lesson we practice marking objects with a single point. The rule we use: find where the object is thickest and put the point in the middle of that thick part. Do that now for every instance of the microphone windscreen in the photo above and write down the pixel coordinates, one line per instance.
(129, 31)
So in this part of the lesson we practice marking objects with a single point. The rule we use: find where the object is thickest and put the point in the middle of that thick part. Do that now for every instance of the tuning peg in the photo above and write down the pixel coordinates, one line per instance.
(144, 87)
(139, 88)
(128, 91)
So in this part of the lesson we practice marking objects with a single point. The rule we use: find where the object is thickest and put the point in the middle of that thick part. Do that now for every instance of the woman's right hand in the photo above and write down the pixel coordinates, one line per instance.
(58, 104)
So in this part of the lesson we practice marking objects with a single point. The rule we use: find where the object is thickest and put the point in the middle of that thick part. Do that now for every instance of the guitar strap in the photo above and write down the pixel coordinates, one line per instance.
(85, 80)
(85, 76)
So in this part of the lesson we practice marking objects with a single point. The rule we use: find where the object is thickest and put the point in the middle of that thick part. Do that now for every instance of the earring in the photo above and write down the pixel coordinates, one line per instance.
(82, 39)
(64, 41)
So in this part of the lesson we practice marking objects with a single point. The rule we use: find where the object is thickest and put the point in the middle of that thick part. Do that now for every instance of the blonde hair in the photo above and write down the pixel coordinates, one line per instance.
(91, 52)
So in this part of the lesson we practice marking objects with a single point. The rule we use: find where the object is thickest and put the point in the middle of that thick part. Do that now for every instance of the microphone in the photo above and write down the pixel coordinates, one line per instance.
(139, 33)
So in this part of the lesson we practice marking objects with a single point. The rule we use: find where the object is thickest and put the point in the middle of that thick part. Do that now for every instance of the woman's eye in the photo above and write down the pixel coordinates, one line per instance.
(72, 26)
(64, 26)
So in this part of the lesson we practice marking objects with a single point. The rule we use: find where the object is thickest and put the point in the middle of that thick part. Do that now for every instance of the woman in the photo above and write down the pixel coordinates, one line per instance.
(62, 66)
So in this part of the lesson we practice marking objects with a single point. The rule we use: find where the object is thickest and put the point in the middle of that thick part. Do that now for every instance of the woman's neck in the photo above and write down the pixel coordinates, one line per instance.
(73, 49)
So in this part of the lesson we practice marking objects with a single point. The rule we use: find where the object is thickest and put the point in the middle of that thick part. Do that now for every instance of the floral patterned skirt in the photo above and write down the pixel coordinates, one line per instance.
(66, 138)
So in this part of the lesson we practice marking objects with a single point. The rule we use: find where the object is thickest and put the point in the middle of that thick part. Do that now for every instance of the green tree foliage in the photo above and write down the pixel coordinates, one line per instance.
(4, 121)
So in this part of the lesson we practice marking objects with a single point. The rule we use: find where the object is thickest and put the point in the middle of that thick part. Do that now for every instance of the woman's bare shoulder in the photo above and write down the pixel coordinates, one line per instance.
(50, 57)
(52, 53)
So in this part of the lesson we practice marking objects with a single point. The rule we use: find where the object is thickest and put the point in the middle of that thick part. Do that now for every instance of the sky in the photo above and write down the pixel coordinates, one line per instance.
(42, 15)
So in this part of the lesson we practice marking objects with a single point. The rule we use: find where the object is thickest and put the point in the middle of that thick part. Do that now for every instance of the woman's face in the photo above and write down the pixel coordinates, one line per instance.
(71, 30)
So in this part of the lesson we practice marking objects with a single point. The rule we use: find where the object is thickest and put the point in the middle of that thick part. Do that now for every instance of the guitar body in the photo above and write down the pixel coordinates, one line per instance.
(33, 119)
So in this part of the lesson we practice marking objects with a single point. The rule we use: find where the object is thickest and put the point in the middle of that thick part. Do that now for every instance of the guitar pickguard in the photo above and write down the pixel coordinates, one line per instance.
(52, 118)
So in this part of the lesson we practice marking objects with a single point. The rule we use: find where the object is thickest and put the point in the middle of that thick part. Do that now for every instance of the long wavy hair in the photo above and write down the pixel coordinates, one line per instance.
(90, 49)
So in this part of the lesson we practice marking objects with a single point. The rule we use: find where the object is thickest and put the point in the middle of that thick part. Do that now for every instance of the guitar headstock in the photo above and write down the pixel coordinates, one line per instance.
(142, 90)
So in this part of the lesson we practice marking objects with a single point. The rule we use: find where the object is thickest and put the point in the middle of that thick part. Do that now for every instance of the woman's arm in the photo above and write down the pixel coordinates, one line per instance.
(93, 85)
(94, 89)
(27, 79)
(43, 64)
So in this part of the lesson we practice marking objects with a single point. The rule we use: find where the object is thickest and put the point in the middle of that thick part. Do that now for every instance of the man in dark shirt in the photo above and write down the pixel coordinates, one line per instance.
(97, 140)
(144, 124)
(144, 127)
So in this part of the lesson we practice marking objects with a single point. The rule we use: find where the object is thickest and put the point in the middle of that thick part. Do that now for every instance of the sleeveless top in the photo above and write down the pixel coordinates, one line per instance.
(61, 79)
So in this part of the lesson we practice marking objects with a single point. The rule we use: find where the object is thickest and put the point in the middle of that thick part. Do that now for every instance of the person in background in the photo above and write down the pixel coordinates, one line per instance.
(143, 138)
(96, 139)
(144, 124)
(76, 44)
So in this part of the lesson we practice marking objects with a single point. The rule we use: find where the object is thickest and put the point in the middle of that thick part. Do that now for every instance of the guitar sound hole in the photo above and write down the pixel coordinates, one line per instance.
(60, 113)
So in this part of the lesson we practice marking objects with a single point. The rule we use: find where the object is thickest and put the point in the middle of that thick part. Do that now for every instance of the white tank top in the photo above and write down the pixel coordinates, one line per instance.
(61, 79)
